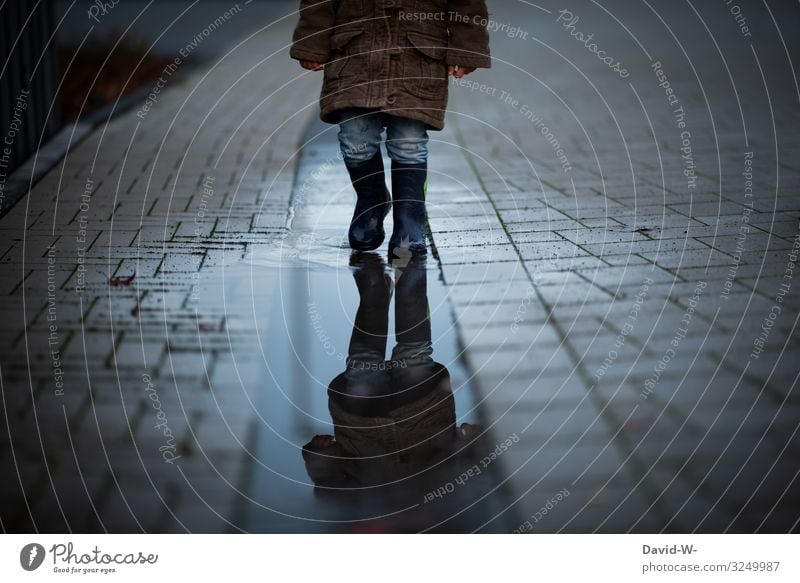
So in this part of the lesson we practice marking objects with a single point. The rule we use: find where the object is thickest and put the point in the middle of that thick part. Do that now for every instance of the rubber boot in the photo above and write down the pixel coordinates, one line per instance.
(409, 183)
(373, 204)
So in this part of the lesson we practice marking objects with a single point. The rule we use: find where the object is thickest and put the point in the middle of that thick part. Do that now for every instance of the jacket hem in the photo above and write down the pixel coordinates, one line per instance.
(467, 59)
(305, 55)
(434, 122)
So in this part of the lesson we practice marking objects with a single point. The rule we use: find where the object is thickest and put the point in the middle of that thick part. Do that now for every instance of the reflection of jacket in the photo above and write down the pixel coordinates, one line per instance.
(391, 54)
(377, 449)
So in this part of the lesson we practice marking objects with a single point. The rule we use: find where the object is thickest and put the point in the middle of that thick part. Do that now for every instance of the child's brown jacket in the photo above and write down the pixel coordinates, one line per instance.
(391, 54)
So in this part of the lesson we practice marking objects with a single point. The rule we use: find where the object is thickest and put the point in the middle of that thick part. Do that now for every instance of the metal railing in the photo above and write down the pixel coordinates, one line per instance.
(28, 116)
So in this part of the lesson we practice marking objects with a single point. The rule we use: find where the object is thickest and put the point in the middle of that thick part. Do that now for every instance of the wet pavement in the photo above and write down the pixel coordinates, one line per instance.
(602, 337)
(329, 329)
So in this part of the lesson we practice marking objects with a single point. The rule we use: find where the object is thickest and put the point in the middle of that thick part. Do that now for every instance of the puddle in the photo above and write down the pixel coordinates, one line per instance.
(353, 354)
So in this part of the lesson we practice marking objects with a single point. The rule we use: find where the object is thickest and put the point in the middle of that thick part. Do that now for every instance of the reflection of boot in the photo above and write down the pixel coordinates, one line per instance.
(368, 341)
(412, 320)
(366, 377)
(409, 182)
(413, 369)
(373, 204)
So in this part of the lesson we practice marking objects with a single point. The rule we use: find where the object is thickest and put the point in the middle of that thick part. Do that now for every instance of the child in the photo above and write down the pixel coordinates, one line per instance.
(386, 64)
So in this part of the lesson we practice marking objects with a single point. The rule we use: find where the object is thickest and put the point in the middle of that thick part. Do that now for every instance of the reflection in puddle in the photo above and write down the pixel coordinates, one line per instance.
(348, 441)
(351, 441)
(392, 418)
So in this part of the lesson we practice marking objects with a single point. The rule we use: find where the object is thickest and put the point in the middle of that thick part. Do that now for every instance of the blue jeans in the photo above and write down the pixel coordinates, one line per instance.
(361, 134)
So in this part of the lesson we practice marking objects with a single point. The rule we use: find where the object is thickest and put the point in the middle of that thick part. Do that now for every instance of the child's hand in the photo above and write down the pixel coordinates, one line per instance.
(320, 442)
(459, 71)
(311, 65)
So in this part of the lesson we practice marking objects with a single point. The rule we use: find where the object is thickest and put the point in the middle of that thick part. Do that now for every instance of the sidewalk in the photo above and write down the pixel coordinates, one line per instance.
(113, 273)
(616, 321)
(624, 306)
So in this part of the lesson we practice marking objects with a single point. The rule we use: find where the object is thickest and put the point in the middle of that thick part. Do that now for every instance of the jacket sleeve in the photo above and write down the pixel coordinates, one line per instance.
(326, 467)
(312, 35)
(468, 44)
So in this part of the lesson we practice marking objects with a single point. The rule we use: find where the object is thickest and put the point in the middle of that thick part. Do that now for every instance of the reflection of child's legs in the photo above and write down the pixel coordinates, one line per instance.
(360, 142)
(370, 329)
(414, 373)
(366, 375)
(412, 321)
(407, 143)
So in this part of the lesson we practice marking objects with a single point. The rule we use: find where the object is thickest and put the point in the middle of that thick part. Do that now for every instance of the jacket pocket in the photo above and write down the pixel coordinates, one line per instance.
(349, 10)
(424, 69)
(343, 51)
